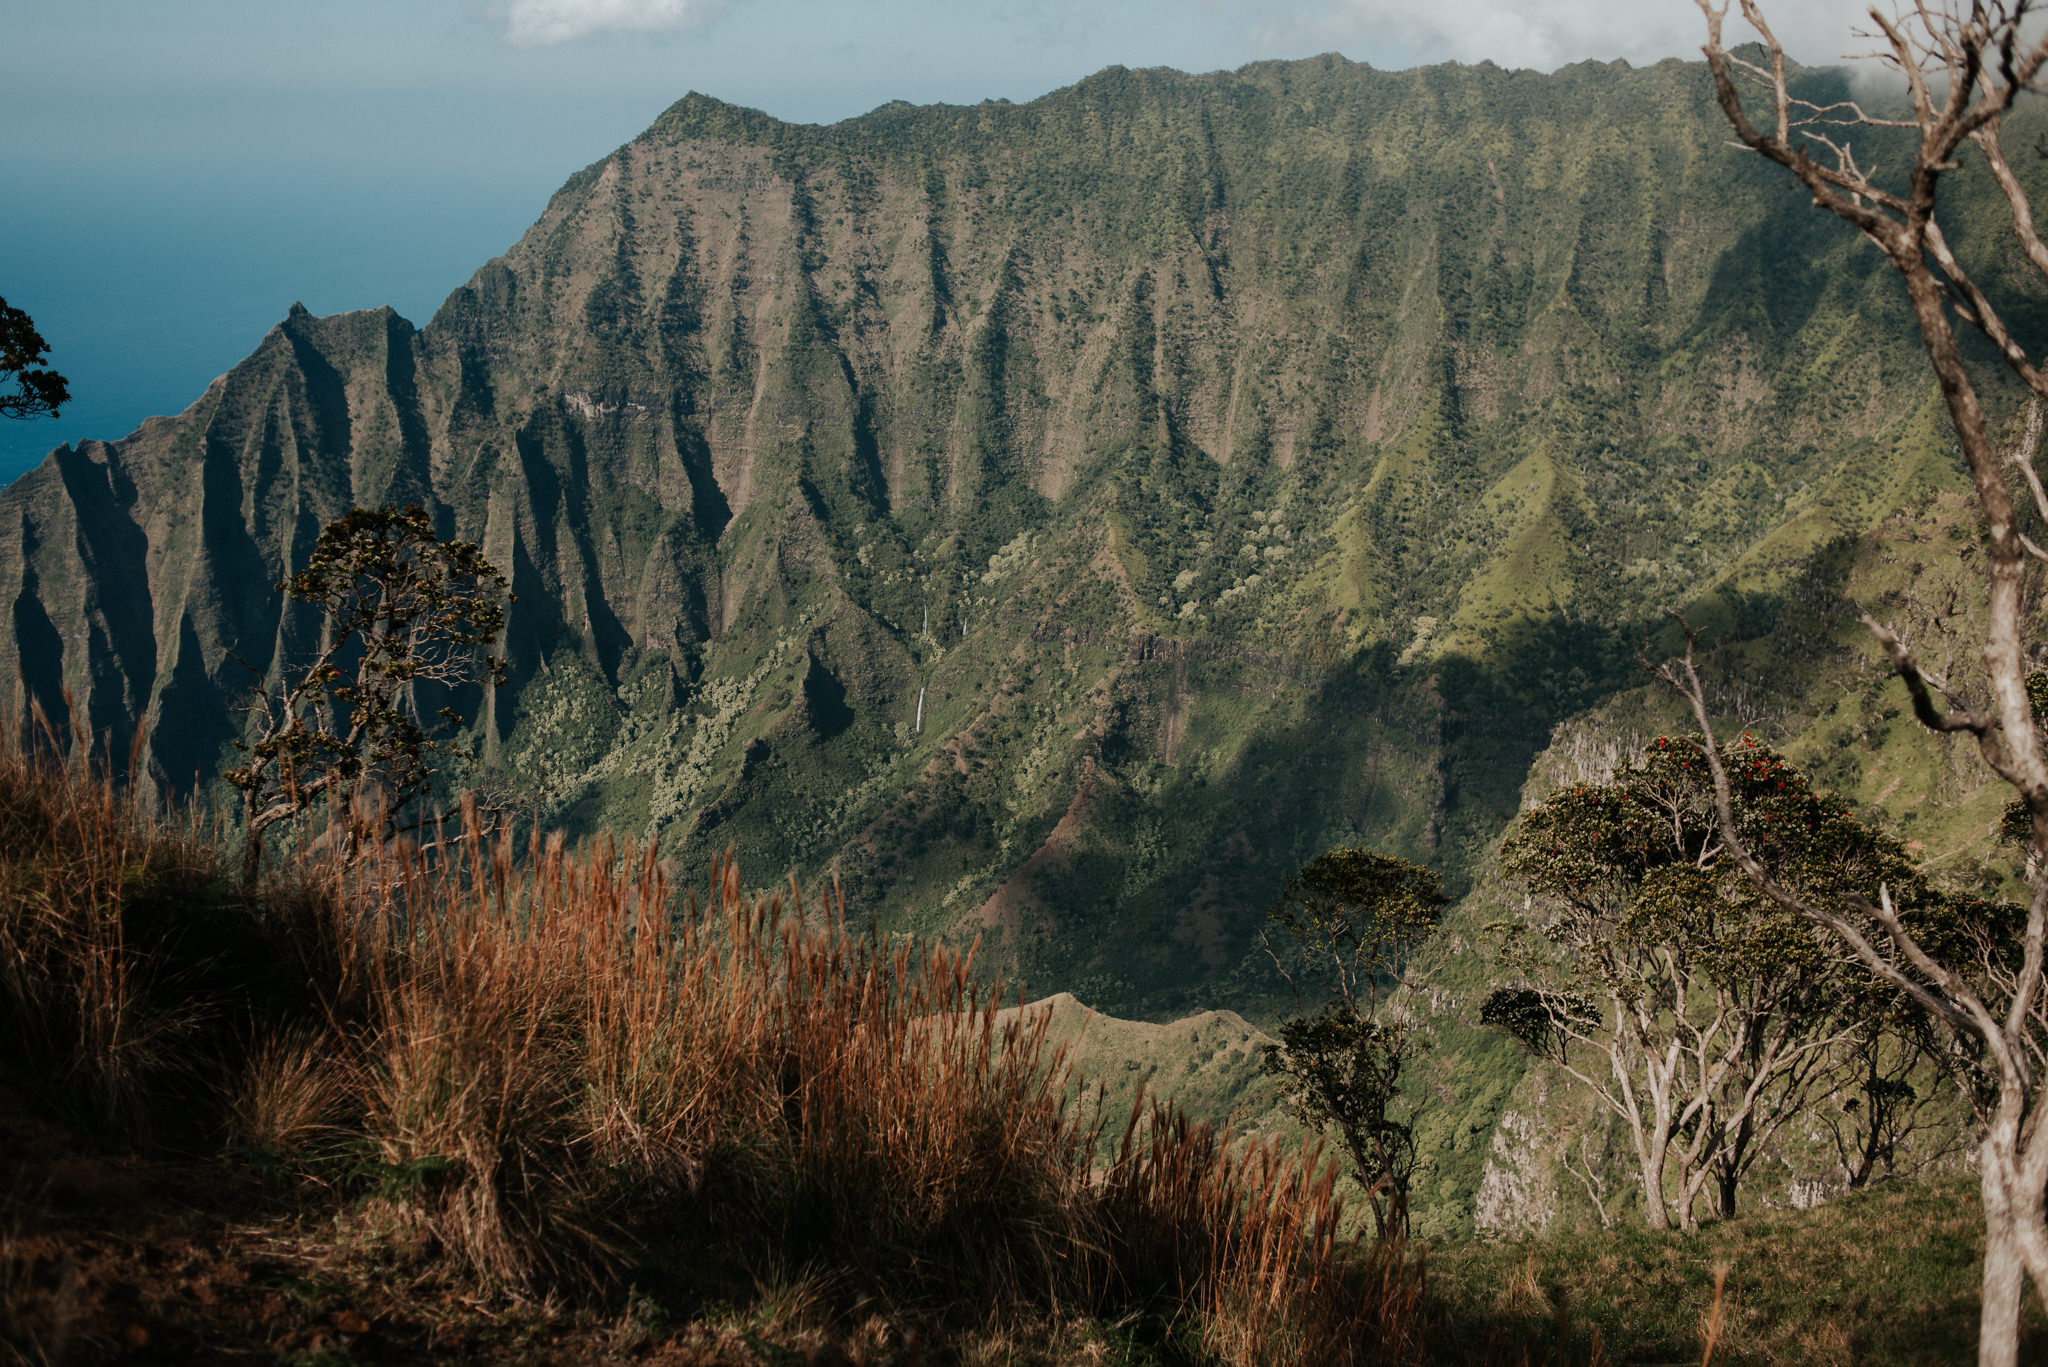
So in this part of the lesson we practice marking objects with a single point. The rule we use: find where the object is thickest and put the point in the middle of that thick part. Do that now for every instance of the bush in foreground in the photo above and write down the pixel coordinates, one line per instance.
(531, 1070)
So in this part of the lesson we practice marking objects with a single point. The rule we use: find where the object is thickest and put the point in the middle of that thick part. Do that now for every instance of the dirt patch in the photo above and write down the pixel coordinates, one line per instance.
(110, 1257)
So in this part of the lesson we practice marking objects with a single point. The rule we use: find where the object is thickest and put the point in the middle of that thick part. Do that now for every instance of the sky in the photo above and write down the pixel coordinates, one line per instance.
(174, 174)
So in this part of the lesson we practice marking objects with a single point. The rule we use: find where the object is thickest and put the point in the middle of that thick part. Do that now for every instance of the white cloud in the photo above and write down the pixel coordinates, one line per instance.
(537, 23)
(1546, 34)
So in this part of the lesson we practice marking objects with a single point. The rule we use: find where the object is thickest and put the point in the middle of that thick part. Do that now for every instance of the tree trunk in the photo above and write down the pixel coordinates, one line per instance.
(1998, 1325)
(252, 856)
(1873, 1141)
(1728, 1165)
(1690, 1176)
(1652, 1163)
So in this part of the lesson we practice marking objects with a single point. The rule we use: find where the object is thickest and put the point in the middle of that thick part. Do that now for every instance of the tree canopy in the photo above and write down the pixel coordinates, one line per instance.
(1718, 1015)
(1356, 915)
(36, 390)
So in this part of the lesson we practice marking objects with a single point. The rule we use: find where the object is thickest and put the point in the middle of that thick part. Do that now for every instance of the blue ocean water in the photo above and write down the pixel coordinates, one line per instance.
(149, 284)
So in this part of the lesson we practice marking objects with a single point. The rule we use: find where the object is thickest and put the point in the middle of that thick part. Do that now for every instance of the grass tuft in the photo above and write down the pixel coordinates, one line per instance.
(540, 1072)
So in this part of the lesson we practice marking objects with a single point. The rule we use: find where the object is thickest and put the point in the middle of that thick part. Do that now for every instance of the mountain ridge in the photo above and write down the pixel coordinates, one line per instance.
(1058, 519)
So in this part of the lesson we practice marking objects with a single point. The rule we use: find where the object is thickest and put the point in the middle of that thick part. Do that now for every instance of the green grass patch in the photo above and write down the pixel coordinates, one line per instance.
(1888, 1276)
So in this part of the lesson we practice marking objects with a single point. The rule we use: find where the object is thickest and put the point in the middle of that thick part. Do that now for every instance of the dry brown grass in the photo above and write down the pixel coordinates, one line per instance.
(542, 1071)
(81, 1003)
(1253, 1237)
(290, 1097)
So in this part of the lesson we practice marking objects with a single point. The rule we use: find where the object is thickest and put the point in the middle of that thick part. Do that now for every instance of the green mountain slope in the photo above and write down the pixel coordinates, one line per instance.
(1060, 520)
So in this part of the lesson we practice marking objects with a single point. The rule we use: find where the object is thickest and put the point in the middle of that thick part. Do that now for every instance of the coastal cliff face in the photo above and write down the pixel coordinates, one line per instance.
(1061, 520)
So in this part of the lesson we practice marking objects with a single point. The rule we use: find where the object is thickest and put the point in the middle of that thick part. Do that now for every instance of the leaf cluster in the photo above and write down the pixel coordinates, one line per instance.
(1541, 1019)
(22, 352)
(1344, 1067)
(1356, 915)
(1641, 861)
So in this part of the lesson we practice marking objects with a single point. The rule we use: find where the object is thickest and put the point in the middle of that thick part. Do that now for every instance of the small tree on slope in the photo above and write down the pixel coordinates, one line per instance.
(399, 608)
(1965, 66)
(1352, 919)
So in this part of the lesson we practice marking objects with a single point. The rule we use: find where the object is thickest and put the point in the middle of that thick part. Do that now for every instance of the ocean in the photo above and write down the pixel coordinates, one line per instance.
(147, 285)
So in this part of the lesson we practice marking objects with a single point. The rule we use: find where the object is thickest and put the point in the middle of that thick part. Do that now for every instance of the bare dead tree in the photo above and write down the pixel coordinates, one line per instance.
(1965, 64)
